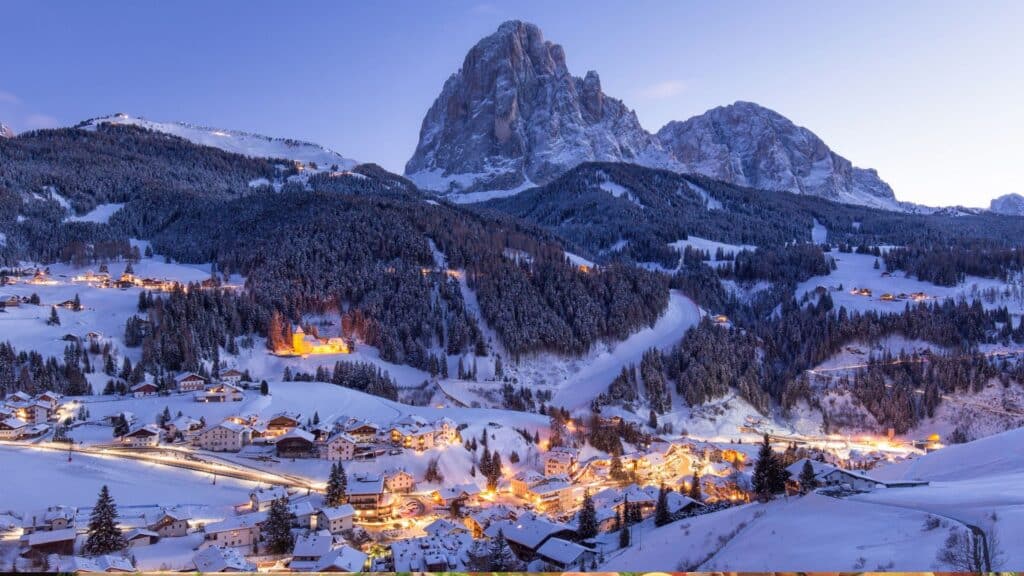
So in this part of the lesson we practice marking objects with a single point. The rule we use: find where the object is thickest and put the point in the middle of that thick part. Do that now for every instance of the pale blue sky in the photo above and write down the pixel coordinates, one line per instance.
(929, 93)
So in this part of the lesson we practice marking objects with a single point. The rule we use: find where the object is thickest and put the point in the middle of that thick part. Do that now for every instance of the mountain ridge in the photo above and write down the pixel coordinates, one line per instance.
(513, 116)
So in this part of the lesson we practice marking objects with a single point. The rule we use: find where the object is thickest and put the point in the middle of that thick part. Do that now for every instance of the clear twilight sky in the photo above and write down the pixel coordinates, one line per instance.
(930, 93)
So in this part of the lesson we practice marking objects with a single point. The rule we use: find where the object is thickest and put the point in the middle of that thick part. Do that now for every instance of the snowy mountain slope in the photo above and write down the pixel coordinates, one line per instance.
(995, 455)
(244, 143)
(1009, 204)
(809, 533)
(6, 131)
(750, 145)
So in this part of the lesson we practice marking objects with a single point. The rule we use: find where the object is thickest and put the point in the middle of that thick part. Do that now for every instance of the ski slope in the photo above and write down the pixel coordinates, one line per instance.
(244, 143)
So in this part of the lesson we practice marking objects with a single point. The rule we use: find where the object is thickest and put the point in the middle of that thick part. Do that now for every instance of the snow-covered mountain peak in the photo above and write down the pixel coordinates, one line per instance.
(747, 144)
(513, 113)
(6, 131)
(1009, 204)
(238, 142)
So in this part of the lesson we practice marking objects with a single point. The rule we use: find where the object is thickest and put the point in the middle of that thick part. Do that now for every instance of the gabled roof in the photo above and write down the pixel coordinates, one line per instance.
(140, 532)
(12, 424)
(250, 520)
(314, 544)
(363, 484)
(51, 536)
(79, 564)
(298, 433)
(820, 468)
(529, 531)
(147, 430)
(220, 559)
(343, 559)
(561, 551)
(337, 512)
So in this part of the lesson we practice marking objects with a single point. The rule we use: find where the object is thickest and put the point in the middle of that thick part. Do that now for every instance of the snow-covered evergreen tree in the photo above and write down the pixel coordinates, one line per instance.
(104, 536)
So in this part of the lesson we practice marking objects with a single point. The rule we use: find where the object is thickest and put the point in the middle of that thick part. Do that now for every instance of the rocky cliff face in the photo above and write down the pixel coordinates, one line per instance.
(514, 114)
(5, 131)
(1010, 204)
(750, 145)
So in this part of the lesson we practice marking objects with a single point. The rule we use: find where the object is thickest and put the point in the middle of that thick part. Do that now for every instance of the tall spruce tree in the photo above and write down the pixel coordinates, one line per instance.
(278, 528)
(337, 485)
(695, 492)
(661, 513)
(808, 480)
(104, 535)
(503, 559)
(769, 474)
(588, 518)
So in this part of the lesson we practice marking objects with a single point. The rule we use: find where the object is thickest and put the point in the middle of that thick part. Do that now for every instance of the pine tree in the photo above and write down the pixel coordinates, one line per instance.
(652, 420)
(661, 513)
(615, 470)
(104, 535)
(808, 480)
(278, 528)
(77, 304)
(503, 559)
(695, 491)
(337, 485)
(769, 474)
(587, 518)
(54, 318)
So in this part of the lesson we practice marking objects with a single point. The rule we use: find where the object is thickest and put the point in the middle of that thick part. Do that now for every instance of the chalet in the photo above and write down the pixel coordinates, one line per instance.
(221, 559)
(528, 533)
(145, 389)
(107, 563)
(887, 297)
(342, 559)
(31, 411)
(304, 344)
(430, 553)
(553, 494)
(613, 499)
(224, 437)
(12, 428)
(361, 431)
(443, 527)
(235, 532)
(559, 461)
(296, 444)
(340, 446)
(416, 433)
(184, 425)
(189, 382)
(853, 480)
(147, 435)
(260, 499)
(566, 555)
(69, 305)
(9, 301)
(231, 376)
(41, 544)
(477, 522)
(112, 419)
(677, 503)
(820, 469)
(49, 519)
(303, 514)
(220, 393)
(141, 537)
(336, 519)
(461, 493)
(280, 424)
(169, 523)
(366, 495)
(51, 398)
(521, 483)
(309, 550)
(398, 480)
